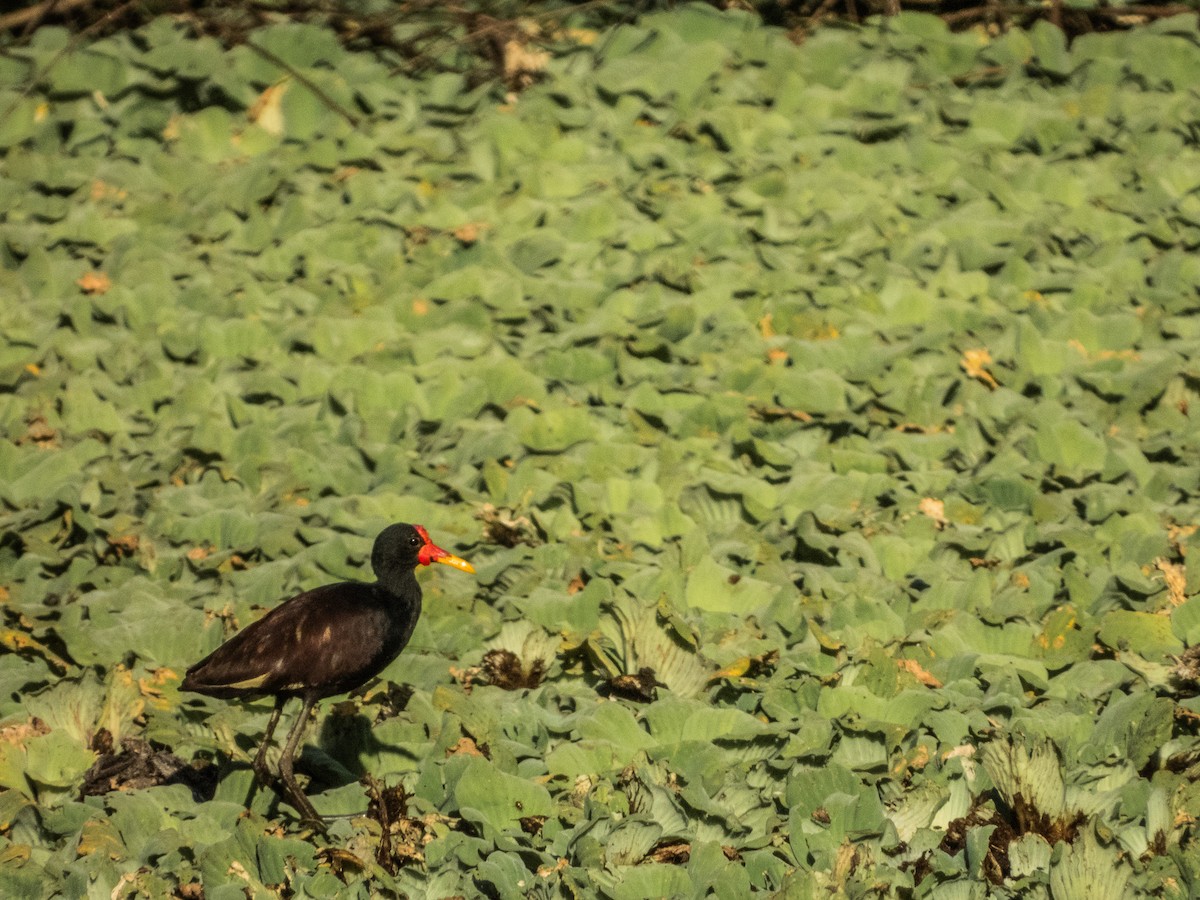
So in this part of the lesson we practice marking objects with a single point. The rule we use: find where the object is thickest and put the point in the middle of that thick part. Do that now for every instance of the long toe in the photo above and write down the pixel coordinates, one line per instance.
(308, 812)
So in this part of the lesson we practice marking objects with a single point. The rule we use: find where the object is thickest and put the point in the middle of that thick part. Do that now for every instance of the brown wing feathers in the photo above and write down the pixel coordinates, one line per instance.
(292, 649)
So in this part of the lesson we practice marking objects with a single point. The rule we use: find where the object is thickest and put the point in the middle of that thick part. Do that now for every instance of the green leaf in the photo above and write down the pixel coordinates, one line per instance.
(1028, 770)
(56, 760)
(46, 473)
(676, 721)
(536, 252)
(1089, 871)
(715, 588)
(1050, 47)
(553, 430)
(1132, 728)
(650, 880)
(498, 799)
(1146, 634)
(1070, 446)
(1029, 855)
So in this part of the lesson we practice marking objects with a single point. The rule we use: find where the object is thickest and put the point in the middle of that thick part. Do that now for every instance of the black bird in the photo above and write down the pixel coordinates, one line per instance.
(322, 642)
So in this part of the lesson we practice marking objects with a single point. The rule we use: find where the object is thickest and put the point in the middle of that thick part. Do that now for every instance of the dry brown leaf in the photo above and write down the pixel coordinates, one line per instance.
(39, 433)
(101, 190)
(503, 526)
(469, 233)
(1175, 577)
(19, 732)
(845, 861)
(771, 413)
(934, 509)
(547, 871)
(465, 747)
(918, 758)
(675, 853)
(914, 668)
(123, 544)
(94, 283)
(520, 62)
(1177, 534)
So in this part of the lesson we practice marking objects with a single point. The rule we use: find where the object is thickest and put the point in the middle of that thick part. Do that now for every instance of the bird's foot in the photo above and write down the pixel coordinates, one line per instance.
(309, 816)
(315, 823)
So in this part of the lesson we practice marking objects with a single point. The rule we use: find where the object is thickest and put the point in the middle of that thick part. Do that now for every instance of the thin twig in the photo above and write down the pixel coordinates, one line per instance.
(306, 81)
(33, 14)
(970, 14)
(76, 39)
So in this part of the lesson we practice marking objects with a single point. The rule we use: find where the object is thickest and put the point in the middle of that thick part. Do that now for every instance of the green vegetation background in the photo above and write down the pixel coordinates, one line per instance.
(845, 385)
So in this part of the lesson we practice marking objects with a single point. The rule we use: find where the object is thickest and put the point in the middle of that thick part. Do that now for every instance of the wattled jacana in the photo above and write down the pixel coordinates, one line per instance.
(326, 641)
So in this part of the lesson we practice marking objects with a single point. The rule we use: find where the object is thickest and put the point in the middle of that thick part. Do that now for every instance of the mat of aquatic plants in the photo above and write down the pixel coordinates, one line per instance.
(821, 421)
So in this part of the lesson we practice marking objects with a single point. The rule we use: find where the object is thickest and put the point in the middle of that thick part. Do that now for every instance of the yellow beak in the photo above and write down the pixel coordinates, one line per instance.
(457, 561)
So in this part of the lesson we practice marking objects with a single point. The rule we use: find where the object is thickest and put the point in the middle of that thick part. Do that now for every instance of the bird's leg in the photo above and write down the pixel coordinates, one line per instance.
(297, 797)
(261, 772)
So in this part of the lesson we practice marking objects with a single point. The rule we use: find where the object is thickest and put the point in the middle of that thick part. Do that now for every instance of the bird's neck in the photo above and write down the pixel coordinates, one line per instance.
(400, 597)
(401, 583)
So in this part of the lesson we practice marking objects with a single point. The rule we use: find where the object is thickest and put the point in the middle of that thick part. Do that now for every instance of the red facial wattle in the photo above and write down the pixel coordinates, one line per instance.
(431, 553)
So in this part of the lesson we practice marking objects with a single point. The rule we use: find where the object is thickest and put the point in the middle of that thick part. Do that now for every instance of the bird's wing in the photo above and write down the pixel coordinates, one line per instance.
(317, 641)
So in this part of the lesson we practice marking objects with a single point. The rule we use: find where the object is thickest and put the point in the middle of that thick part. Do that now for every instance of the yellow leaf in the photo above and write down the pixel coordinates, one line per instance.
(1175, 578)
(99, 836)
(735, 669)
(934, 509)
(520, 61)
(123, 703)
(975, 363)
(824, 332)
(14, 853)
(826, 642)
(584, 36)
(17, 641)
(267, 111)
